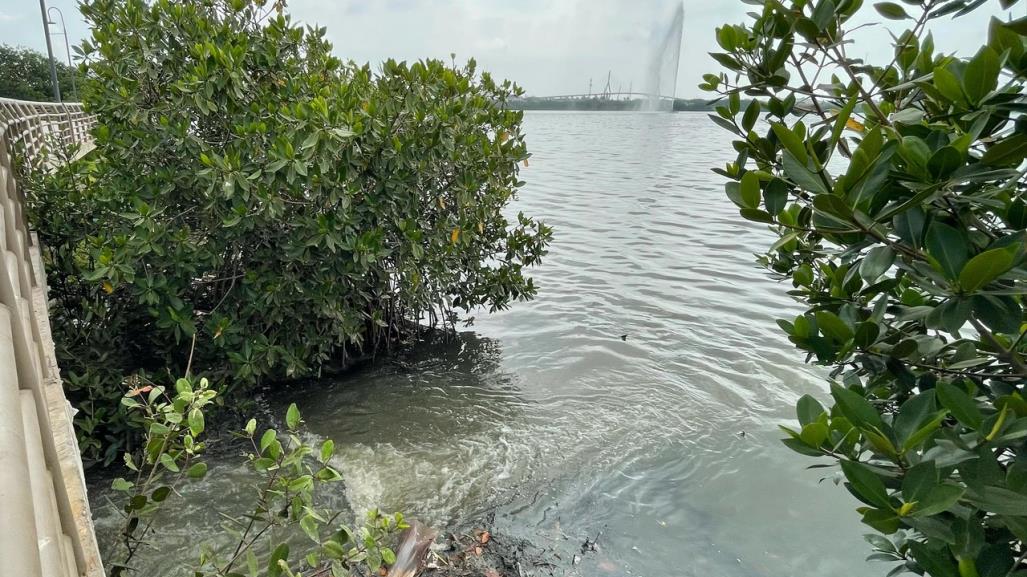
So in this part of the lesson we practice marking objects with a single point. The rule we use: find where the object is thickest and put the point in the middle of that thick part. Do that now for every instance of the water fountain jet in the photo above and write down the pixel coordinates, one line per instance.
(662, 71)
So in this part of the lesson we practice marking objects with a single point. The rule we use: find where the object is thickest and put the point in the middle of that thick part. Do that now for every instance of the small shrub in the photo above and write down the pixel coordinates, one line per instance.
(285, 514)
(898, 195)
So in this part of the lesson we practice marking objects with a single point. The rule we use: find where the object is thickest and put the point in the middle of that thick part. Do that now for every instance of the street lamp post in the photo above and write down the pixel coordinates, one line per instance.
(67, 48)
(49, 50)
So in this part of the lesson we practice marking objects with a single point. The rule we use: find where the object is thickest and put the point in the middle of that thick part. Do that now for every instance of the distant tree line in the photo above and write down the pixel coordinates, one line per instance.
(25, 75)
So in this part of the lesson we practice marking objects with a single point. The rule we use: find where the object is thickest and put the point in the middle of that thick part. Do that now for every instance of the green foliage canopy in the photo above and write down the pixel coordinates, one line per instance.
(897, 192)
(25, 75)
(279, 208)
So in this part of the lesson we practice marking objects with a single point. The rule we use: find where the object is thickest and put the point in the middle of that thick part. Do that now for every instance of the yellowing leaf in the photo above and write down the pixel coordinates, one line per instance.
(455, 235)
(481, 228)
(108, 287)
(525, 163)
(503, 136)
(853, 124)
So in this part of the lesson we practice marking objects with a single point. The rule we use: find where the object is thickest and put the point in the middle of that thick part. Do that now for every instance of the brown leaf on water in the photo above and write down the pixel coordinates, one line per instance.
(492, 573)
(485, 537)
(477, 551)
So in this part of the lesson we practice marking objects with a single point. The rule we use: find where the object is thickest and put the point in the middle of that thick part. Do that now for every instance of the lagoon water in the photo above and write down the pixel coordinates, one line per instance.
(665, 442)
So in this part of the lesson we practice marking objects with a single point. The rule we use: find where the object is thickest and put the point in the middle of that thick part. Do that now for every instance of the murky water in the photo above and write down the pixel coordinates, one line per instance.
(544, 415)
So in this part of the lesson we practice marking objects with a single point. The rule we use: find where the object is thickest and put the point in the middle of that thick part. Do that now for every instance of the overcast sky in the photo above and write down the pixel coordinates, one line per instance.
(547, 46)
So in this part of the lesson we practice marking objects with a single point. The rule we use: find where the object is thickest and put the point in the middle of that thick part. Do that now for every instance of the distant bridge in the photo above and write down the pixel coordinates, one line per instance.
(602, 96)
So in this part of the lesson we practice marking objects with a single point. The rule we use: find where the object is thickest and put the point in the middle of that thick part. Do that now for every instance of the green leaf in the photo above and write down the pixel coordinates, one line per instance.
(310, 141)
(814, 434)
(914, 151)
(197, 471)
(750, 190)
(802, 448)
(937, 563)
(752, 113)
(196, 423)
(959, 404)
(883, 520)
(1009, 151)
(981, 74)
(292, 417)
(856, 408)
(948, 85)
(986, 267)
(919, 481)
(1000, 501)
(938, 500)
(912, 414)
(169, 462)
(733, 190)
(823, 14)
(160, 494)
(842, 120)
(775, 196)
(891, 10)
(251, 563)
(802, 176)
(1001, 314)
(877, 261)
(924, 432)
(309, 526)
(833, 327)
(280, 553)
(791, 142)
(808, 410)
(944, 162)
(388, 555)
(865, 484)
(948, 247)
(327, 450)
(834, 207)
(866, 334)
(120, 484)
(756, 215)
(266, 439)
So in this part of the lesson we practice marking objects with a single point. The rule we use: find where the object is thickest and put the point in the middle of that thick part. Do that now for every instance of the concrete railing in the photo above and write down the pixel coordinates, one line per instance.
(46, 527)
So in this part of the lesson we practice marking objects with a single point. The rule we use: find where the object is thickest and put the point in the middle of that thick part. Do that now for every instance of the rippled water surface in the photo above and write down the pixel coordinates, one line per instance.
(665, 442)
